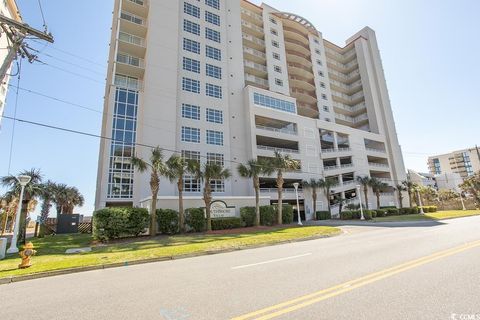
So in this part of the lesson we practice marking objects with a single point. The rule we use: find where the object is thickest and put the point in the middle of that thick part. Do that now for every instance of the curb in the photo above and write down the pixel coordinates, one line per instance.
(39, 275)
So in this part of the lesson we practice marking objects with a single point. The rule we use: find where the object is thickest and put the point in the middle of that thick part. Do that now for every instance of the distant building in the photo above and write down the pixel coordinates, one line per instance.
(9, 9)
(422, 179)
(448, 181)
(464, 162)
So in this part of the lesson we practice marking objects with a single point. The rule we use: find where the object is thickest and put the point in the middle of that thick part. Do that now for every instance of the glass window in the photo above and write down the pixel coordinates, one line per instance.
(275, 44)
(217, 158)
(191, 155)
(217, 185)
(273, 103)
(213, 3)
(213, 35)
(190, 184)
(279, 82)
(190, 134)
(212, 18)
(214, 71)
(190, 111)
(213, 53)
(191, 10)
(191, 65)
(274, 32)
(214, 91)
(191, 27)
(276, 56)
(277, 69)
(215, 116)
(192, 46)
(215, 137)
(191, 85)
(272, 20)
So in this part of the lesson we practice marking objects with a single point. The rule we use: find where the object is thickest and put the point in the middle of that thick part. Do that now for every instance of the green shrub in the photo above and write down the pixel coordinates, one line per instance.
(388, 207)
(112, 223)
(323, 215)
(195, 219)
(392, 211)
(374, 213)
(267, 215)
(403, 211)
(414, 210)
(226, 223)
(248, 216)
(167, 220)
(368, 214)
(433, 209)
(287, 214)
(356, 214)
(349, 215)
(381, 212)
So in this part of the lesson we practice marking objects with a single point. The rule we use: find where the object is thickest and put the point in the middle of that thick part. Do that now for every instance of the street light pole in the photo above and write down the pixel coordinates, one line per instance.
(295, 185)
(360, 200)
(461, 200)
(23, 180)
(420, 202)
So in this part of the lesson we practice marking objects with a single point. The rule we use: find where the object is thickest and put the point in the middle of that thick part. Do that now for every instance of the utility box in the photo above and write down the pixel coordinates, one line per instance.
(67, 223)
(3, 247)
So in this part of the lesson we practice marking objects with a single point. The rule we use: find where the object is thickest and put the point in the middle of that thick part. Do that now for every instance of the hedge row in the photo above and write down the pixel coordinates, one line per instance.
(268, 215)
(323, 215)
(112, 223)
(384, 212)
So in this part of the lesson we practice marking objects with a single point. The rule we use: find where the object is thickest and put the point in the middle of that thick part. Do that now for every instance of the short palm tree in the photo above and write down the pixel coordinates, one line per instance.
(400, 188)
(73, 198)
(314, 185)
(280, 164)
(365, 181)
(410, 187)
(177, 167)
(378, 187)
(48, 190)
(59, 197)
(207, 173)
(253, 170)
(157, 169)
(326, 185)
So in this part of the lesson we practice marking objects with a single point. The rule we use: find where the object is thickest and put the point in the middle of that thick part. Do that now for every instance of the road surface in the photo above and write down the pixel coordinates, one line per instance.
(420, 270)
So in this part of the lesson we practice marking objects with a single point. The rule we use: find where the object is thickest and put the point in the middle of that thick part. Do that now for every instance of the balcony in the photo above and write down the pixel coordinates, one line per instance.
(274, 125)
(299, 46)
(352, 120)
(132, 24)
(378, 165)
(304, 96)
(253, 42)
(131, 44)
(361, 107)
(128, 82)
(344, 68)
(374, 150)
(347, 78)
(252, 17)
(343, 57)
(349, 99)
(295, 34)
(307, 110)
(252, 29)
(254, 55)
(296, 69)
(301, 83)
(130, 65)
(256, 81)
(255, 69)
(338, 150)
(288, 193)
(281, 150)
(137, 7)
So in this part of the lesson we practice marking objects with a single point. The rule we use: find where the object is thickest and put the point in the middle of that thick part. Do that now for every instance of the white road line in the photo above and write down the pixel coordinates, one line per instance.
(271, 261)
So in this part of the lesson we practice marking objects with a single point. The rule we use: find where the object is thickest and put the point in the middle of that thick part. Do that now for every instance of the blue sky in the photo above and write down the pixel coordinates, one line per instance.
(429, 51)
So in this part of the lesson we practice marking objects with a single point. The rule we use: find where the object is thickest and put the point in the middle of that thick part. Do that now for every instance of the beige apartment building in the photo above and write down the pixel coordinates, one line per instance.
(228, 81)
(9, 9)
(464, 162)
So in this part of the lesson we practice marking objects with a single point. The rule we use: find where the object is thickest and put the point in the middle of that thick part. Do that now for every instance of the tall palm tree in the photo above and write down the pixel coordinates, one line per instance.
(73, 198)
(378, 187)
(48, 190)
(314, 185)
(326, 185)
(207, 173)
(253, 170)
(282, 163)
(32, 190)
(157, 169)
(410, 187)
(365, 181)
(177, 167)
(400, 188)
(59, 196)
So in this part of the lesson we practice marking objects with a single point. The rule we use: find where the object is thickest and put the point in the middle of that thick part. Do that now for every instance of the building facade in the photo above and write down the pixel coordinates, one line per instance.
(463, 162)
(228, 81)
(9, 9)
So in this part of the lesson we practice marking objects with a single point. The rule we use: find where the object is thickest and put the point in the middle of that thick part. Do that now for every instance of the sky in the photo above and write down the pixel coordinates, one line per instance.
(429, 51)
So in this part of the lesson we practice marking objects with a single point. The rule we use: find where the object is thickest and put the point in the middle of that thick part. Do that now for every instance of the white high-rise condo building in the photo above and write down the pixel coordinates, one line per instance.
(464, 162)
(228, 81)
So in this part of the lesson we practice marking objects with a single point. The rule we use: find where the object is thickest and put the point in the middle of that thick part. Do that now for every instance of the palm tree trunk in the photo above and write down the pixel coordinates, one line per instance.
(207, 198)
(280, 197)
(378, 199)
(153, 213)
(400, 199)
(256, 186)
(181, 212)
(410, 198)
(365, 191)
(314, 198)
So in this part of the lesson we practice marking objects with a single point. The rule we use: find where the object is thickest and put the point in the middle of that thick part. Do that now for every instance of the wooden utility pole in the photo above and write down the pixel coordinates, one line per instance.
(16, 33)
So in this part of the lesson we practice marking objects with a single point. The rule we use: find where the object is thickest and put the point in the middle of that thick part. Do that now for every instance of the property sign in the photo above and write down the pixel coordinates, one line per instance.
(219, 209)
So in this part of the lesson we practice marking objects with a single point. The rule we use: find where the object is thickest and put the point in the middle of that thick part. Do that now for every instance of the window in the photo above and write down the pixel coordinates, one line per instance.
(212, 18)
(276, 56)
(191, 27)
(190, 184)
(324, 96)
(213, 35)
(272, 20)
(274, 32)
(213, 53)
(215, 116)
(191, 85)
(191, 155)
(217, 185)
(213, 91)
(190, 111)
(192, 46)
(316, 41)
(279, 82)
(273, 103)
(327, 119)
(213, 3)
(216, 158)
(326, 109)
(215, 137)
(320, 73)
(214, 71)
(191, 10)
(190, 134)
(436, 166)
(322, 84)
(191, 65)
(275, 44)
(317, 51)
(277, 69)
(319, 62)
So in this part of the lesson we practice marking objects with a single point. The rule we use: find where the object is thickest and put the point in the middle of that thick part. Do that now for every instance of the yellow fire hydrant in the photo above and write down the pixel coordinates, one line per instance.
(26, 255)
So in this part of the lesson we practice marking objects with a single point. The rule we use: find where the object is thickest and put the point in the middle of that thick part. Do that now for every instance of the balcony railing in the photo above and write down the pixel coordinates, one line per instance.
(253, 39)
(344, 56)
(336, 150)
(125, 37)
(255, 65)
(283, 130)
(376, 164)
(360, 118)
(355, 108)
(375, 150)
(139, 2)
(132, 18)
(254, 52)
(328, 168)
(257, 80)
(127, 82)
(130, 60)
(285, 190)
(252, 26)
(252, 15)
(281, 150)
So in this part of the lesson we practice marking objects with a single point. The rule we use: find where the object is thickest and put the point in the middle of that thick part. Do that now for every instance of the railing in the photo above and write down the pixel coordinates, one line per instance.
(127, 16)
(346, 165)
(346, 96)
(327, 168)
(130, 60)
(302, 79)
(376, 164)
(287, 131)
(342, 85)
(342, 65)
(299, 54)
(252, 26)
(252, 14)
(127, 82)
(354, 108)
(346, 77)
(255, 65)
(344, 56)
(285, 190)
(297, 65)
(336, 150)
(254, 52)
(257, 80)
(344, 184)
(126, 37)
(300, 91)
(281, 150)
(295, 31)
(253, 39)
(142, 3)
(376, 150)
(298, 43)
(343, 117)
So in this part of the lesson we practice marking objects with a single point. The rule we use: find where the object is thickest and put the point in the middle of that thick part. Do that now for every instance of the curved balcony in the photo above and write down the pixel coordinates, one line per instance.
(295, 69)
(307, 110)
(304, 96)
(298, 46)
(294, 33)
(301, 83)
(298, 58)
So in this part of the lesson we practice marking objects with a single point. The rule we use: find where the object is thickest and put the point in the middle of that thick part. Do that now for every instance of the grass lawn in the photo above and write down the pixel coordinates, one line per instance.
(430, 216)
(51, 250)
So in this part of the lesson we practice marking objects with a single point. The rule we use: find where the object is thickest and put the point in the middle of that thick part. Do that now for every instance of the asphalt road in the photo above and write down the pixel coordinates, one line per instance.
(421, 270)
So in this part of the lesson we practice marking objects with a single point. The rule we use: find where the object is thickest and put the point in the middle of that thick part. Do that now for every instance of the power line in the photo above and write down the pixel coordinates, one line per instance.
(70, 72)
(43, 16)
(14, 115)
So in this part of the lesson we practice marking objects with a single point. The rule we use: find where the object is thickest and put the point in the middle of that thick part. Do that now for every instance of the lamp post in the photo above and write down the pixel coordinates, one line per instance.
(295, 185)
(420, 202)
(23, 180)
(360, 200)
(461, 200)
